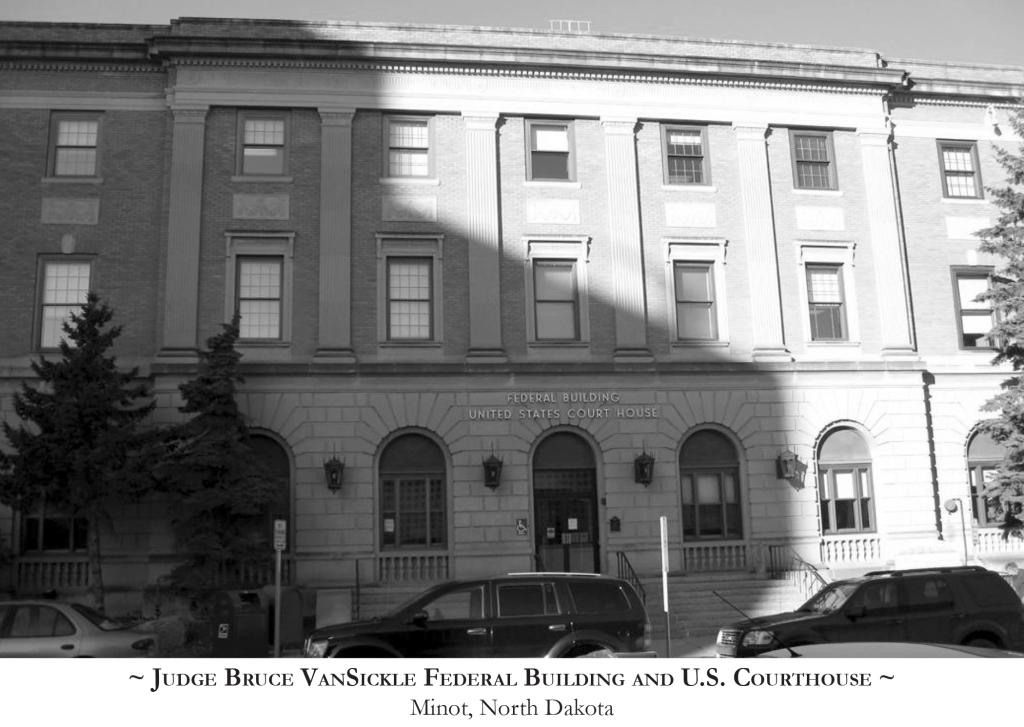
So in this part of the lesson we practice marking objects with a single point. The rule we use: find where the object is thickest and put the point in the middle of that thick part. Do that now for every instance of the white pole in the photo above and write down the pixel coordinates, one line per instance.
(664, 583)
(277, 603)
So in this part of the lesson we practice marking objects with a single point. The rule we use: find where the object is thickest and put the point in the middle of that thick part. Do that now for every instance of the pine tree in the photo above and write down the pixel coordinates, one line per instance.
(1005, 239)
(76, 447)
(222, 495)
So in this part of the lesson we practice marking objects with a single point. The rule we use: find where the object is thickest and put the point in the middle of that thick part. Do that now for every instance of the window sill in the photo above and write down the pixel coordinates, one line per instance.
(262, 179)
(964, 200)
(409, 344)
(828, 345)
(412, 181)
(552, 183)
(700, 344)
(72, 180)
(819, 192)
(698, 188)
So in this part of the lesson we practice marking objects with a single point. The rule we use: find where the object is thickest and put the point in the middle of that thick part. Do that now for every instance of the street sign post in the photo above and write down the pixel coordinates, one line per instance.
(664, 584)
(280, 542)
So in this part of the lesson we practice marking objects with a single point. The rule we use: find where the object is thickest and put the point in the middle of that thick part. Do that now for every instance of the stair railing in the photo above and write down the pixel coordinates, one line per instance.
(629, 574)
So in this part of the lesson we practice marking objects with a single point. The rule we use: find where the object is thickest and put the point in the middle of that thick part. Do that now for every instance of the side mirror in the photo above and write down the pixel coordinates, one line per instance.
(857, 612)
(420, 618)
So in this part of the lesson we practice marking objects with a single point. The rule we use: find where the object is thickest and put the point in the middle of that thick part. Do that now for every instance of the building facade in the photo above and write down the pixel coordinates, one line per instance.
(530, 300)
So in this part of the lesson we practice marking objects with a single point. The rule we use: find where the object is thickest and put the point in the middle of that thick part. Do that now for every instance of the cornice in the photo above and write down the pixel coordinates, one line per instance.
(511, 61)
(80, 66)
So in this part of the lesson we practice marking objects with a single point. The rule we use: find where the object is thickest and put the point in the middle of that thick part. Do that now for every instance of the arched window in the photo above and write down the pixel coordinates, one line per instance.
(709, 476)
(984, 455)
(274, 460)
(845, 489)
(412, 494)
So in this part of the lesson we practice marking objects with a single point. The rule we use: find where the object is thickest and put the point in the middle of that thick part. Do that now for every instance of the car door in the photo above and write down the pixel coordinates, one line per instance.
(872, 613)
(37, 630)
(929, 609)
(453, 623)
(529, 618)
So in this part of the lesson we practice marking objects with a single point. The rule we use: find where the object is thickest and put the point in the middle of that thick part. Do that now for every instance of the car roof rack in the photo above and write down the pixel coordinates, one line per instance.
(552, 573)
(933, 569)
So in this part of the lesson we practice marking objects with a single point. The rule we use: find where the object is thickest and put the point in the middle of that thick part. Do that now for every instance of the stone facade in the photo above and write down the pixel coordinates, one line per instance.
(170, 212)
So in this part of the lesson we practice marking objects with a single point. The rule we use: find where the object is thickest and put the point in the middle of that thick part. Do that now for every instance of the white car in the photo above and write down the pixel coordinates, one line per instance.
(45, 628)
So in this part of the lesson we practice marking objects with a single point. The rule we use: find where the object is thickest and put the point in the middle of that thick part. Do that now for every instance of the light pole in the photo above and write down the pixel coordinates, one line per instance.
(955, 505)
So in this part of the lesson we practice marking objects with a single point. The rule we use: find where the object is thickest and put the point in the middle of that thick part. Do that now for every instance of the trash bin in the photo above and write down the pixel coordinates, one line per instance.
(240, 624)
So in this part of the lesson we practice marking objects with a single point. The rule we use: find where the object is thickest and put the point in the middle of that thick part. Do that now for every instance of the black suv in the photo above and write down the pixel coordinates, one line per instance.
(519, 614)
(964, 605)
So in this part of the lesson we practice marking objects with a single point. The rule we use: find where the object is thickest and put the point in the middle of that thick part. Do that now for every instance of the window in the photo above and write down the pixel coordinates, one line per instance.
(927, 594)
(263, 138)
(39, 622)
(407, 140)
(709, 476)
(259, 297)
(413, 508)
(550, 153)
(598, 597)
(74, 145)
(844, 483)
(258, 285)
(685, 155)
(556, 302)
(961, 177)
(696, 318)
(825, 302)
(65, 289)
(984, 455)
(48, 528)
(974, 317)
(461, 604)
(696, 277)
(813, 160)
(556, 291)
(410, 299)
(409, 285)
(526, 599)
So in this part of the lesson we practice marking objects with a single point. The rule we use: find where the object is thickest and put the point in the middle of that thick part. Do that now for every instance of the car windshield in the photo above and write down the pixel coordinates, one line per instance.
(829, 598)
(97, 619)
(421, 596)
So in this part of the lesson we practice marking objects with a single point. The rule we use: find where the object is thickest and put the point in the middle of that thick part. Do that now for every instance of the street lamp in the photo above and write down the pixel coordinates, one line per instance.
(955, 505)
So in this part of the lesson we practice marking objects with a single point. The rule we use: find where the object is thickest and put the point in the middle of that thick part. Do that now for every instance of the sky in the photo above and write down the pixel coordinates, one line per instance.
(971, 31)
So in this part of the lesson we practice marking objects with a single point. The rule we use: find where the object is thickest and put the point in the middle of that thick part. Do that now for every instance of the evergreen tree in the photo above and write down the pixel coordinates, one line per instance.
(1005, 239)
(76, 447)
(223, 497)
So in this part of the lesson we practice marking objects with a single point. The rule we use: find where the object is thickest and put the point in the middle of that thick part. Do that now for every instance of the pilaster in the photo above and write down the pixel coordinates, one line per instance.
(625, 238)
(181, 283)
(484, 232)
(759, 227)
(334, 323)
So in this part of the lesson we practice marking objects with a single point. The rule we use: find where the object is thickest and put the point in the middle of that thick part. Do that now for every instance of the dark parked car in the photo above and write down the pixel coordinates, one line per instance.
(57, 628)
(962, 605)
(519, 614)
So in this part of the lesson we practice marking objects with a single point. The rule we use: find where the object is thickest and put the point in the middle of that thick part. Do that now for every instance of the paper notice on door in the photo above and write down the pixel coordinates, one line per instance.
(389, 525)
(574, 524)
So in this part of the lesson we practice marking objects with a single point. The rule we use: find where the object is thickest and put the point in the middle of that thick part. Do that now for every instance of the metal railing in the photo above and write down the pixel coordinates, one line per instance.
(629, 574)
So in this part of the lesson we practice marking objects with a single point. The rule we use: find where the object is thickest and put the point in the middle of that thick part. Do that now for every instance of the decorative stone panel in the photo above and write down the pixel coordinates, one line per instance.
(260, 206)
(70, 211)
(553, 211)
(409, 208)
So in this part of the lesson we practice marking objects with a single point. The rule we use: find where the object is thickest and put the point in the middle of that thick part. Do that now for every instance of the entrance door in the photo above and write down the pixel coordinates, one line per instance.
(566, 515)
(565, 505)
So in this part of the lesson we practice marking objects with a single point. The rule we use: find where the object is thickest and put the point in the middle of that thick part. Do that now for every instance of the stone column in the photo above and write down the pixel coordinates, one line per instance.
(625, 239)
(483, 218)
(181, 282)
(334, 322)
(886, 244)
(759, 227)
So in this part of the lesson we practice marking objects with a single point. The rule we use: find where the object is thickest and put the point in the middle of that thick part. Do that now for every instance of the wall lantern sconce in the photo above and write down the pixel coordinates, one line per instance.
(787, 465)
(492, 472)
(643, 469)
(334, 468)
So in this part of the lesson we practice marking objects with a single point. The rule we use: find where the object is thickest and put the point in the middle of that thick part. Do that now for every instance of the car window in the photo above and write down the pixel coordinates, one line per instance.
(986, 589)
(598, 597)
(526, 599)
(98, 619)
(829, 598)
(458, 605)
(39, 621)
(877, 598)
(925, 594)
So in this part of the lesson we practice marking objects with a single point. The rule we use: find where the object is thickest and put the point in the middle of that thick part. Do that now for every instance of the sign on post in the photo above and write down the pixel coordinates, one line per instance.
(280, 534)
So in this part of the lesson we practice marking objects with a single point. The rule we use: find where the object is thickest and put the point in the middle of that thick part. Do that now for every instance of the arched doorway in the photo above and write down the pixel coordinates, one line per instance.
(565, 505)
(413, 502)
(273, 459)
(984, 455)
